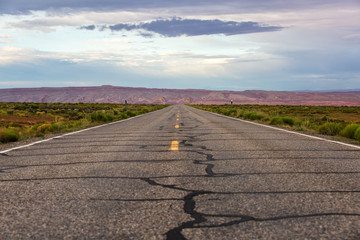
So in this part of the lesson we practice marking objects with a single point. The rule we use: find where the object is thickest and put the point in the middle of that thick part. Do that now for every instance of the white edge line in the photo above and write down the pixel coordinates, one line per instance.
(284, 130)
(71, 133)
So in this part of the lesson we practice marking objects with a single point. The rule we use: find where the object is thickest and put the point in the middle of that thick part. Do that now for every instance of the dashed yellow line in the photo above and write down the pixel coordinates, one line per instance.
(174, 146)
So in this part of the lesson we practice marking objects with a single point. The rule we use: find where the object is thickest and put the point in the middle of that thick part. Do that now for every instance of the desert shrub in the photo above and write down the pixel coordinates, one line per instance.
(349, 130)
(357, 134)
(310, 125)
(266, 119)
(55, 127)
(298, 123)
(348, 110)
(219, 110)
(288, 120)
(8, 135)
(330, 128)
(75, 116)
(232, 112)
(247, 115)
(109, 118)
(262, 117)
(307, 124)
(101, 117)
(144, 110)
(276, 121)
(44, 128)
(78, 123)
(324, 118)
(253, 116)
(20, 114)
(317, 120)
(123, 116)
(130, 113)
(241, 114)
(40, 135)
(35, 127)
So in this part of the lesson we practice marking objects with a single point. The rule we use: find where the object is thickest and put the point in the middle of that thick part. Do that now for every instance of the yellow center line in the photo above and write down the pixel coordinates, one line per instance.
(177, 119)
(176, 126)
(174, 146)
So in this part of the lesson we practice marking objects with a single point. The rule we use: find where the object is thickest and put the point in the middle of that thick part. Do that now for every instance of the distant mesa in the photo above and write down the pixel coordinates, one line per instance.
(112, 94)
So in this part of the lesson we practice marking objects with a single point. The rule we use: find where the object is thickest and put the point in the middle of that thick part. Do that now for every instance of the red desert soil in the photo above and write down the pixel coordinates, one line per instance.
(25, 120)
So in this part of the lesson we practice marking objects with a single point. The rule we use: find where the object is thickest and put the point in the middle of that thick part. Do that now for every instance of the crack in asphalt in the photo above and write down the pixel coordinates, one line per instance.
(189, 199)
(198, 220)
(189, 206)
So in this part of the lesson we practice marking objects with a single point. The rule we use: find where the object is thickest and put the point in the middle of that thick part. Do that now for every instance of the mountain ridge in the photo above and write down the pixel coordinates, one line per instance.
(115, 94)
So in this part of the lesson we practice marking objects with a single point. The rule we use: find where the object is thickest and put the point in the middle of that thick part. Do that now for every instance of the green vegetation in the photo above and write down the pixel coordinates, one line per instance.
(8, 135)
(349, 130)
(327, 120)
(25, 120)
(357, 134)
(276, 121)
(101, 117)
(330, 128)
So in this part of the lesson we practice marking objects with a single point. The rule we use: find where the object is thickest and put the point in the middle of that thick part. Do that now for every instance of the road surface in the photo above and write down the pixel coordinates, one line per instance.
(181, 173)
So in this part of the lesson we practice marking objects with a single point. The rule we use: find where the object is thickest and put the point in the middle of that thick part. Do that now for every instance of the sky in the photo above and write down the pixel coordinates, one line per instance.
(240, 45)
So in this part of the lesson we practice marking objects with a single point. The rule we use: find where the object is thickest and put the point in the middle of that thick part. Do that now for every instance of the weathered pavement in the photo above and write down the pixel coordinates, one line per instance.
(222, 179)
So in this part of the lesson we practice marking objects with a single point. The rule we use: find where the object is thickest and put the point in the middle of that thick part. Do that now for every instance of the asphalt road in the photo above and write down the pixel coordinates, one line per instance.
(181, 173)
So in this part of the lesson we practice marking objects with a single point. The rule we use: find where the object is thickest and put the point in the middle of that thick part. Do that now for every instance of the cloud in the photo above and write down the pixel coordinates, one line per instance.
(146, 35)
(191, 27)
(46, 25)
(353, 38)
(90, 27)
(11, 54)
(6, 38)
(26, 6)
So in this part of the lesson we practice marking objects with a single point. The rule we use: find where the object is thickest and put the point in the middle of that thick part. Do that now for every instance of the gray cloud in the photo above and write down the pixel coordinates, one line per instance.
(90, 27)
(191, 27)
(25, 6)
(146, 35)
